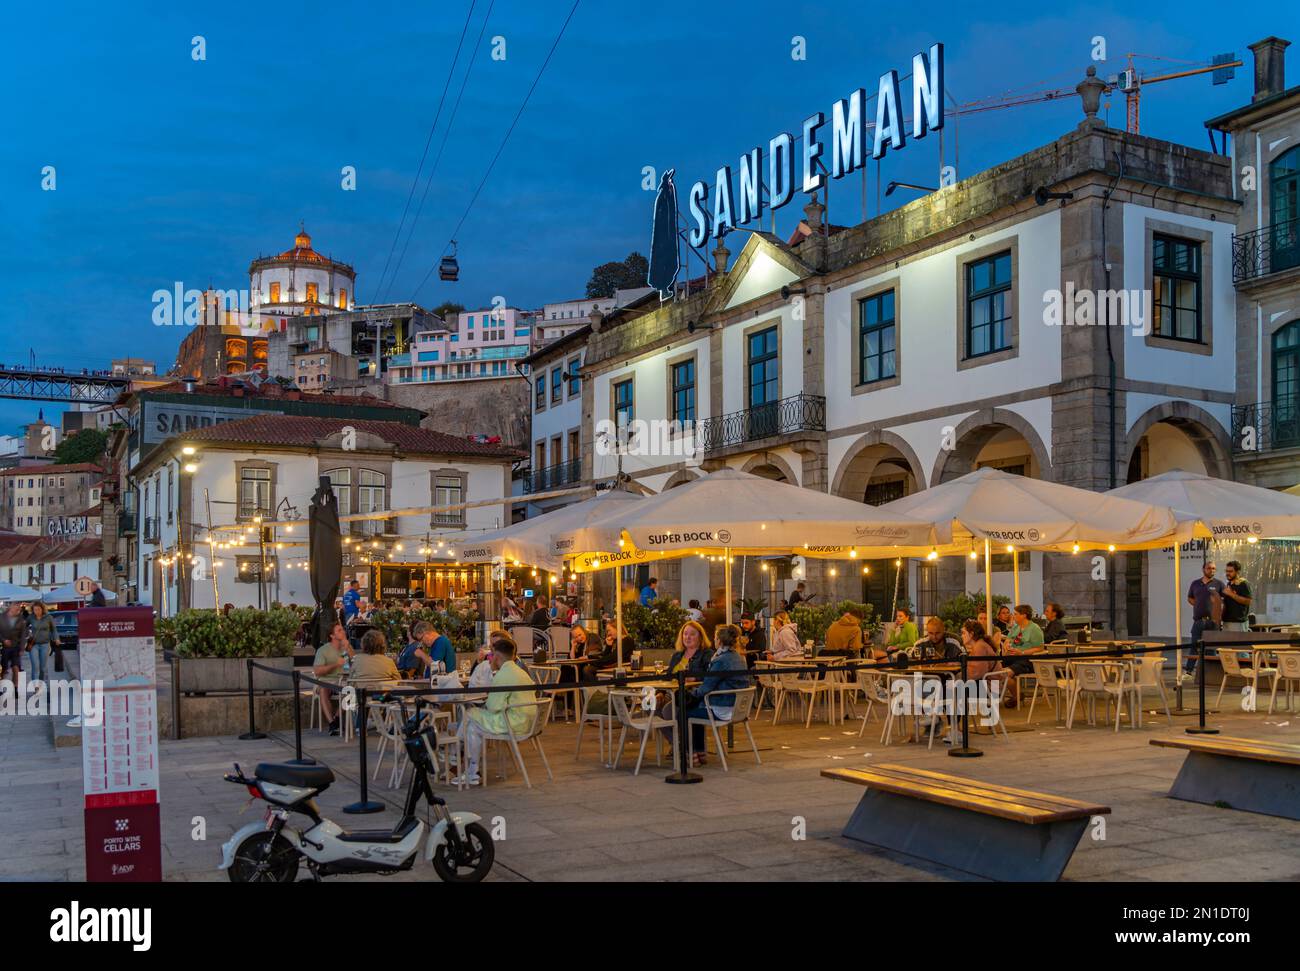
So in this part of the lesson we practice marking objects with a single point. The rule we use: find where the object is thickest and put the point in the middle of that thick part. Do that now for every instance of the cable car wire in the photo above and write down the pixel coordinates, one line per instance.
(427, 142)
(501, 148)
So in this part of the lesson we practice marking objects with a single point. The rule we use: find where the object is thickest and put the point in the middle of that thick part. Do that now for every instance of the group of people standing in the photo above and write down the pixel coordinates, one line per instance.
(28, 634)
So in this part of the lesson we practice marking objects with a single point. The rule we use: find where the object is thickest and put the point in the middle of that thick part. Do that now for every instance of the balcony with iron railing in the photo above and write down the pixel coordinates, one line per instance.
(1271, 249)
(553, 476)
(151, 530)
(797, 415)
(1266, 426)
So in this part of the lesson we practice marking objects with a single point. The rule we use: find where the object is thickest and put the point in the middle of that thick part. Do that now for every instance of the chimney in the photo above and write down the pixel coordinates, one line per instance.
(1270, 67)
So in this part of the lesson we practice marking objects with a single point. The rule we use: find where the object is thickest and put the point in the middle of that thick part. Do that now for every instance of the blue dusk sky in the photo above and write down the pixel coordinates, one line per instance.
(170, 169)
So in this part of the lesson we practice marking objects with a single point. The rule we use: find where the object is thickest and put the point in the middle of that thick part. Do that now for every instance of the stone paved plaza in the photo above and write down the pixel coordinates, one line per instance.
(591, 823)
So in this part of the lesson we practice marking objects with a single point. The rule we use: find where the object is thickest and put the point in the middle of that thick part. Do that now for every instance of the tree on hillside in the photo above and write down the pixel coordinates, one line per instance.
(87, 445)
(448, 311)
(625, 275)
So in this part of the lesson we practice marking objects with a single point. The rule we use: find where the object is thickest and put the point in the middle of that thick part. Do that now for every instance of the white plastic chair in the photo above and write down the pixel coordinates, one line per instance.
(1053, 680)
(1288, 672)
(545, 674)
(870, 683)
(1097, 679)
(767, 682)
(740, 713)
(1150, 673)
(541, 711)
(807, 690)
(647, 723)
(598, 718)
(1232, 668)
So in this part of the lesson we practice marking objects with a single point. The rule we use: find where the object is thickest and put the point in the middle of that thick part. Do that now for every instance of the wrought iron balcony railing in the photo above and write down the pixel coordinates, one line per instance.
(1266, 426)
(800, 413)
(1272, 249)
(553, 476)
(151, 530)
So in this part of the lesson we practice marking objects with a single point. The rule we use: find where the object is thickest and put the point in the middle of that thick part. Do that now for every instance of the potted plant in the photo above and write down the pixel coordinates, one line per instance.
(214, 649)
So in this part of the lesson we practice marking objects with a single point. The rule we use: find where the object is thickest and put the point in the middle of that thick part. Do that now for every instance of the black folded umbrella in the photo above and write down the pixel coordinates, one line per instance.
(325, 558)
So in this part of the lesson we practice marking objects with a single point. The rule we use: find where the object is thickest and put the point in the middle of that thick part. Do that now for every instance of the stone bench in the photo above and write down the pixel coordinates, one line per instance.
(1238, 773)
(984, 829)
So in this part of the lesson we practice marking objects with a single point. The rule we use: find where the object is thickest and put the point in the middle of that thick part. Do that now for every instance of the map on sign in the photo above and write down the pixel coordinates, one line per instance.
(121, 662)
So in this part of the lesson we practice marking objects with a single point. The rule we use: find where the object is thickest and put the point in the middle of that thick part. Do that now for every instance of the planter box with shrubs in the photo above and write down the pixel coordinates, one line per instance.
(214, 649)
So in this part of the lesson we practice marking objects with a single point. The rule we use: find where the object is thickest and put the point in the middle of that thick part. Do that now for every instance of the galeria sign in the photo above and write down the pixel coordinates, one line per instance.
(848, 149)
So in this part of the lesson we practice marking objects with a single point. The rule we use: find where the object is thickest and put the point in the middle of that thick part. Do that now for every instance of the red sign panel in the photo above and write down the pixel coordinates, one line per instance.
(119, 744)
(123, 843)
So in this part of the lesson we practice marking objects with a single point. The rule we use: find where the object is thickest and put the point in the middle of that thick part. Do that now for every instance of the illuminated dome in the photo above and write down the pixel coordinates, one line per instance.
(301, 281)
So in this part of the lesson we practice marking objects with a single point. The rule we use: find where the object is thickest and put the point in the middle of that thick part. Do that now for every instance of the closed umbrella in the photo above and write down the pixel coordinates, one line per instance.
(325, 559)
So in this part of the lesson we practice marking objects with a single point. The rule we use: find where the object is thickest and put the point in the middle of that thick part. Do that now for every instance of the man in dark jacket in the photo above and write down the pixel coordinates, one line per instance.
(13, 641)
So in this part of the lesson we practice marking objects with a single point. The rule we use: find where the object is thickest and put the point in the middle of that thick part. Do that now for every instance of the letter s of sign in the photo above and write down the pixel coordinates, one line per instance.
(698, 198)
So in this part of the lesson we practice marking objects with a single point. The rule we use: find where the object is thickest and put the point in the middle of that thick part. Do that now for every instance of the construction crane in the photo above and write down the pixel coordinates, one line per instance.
(1221, 68)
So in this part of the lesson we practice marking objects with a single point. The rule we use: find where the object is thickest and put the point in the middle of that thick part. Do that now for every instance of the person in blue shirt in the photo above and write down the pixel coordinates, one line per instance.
(427, 650)
(648, 592)
(351, 601)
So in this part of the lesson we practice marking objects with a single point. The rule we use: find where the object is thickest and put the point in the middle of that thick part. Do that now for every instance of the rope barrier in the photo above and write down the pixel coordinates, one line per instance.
(899, 662)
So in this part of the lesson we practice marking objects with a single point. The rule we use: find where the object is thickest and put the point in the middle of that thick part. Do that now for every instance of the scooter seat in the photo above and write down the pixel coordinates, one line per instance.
(303, 776)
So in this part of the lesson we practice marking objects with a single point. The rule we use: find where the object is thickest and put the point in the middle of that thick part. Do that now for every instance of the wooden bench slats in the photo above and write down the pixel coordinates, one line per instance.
(1260, 750)
(973, 788)
(1013, 804)
(1045, 799)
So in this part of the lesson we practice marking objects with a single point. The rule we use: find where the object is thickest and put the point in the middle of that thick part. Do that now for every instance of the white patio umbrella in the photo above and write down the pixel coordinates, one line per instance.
(736, 513)
(69, 592)
(990, 506)
(11, 592)
(532, 541)
(1217, 509)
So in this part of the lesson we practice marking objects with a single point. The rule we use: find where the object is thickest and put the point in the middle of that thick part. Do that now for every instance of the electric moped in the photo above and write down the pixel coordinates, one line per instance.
(270, 851)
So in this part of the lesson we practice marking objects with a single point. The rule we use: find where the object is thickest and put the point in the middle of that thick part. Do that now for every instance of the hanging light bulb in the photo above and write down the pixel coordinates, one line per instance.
(974, 555)
(932, 555)
(1076, 547)
(866, 570)
(1010, 548)
(853, 554)
(833, 571)
(1111, 547)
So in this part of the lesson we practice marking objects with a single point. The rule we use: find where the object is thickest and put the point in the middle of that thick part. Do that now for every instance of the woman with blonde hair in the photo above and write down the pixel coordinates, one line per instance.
(785, 638)
(692, 652)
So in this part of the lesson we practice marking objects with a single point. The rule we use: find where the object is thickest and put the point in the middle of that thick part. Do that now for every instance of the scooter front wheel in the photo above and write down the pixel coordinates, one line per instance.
(473, 861)
(264, 858)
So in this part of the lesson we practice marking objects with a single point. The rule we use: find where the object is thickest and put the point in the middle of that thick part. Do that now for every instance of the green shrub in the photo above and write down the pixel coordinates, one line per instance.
(655, 626)
(813, 620)
(966, 606)
(244, 632)
(458, 625)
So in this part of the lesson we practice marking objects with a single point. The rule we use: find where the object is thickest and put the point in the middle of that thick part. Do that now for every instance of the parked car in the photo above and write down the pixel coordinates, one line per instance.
(65, 622)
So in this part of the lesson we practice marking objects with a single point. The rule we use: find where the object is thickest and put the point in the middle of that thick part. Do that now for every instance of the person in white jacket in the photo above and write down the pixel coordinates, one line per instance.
(785, 639)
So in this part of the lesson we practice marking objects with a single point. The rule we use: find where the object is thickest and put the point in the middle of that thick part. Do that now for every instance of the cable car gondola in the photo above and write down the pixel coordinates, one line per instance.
(448, 268)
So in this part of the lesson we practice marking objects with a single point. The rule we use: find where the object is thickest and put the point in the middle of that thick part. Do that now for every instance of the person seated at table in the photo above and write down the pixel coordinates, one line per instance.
(607, 656)
(1024, 637)
(937, 644)
(1055, 629)
(726, 672)
(541, 618)
(328, 666)
(693, 610)
(844, 636)
(753, 639)
(976, 642)
(994, 635)
(692, 651)
(785, 638)
(428, 649)
(905, 633)
(578, 642)
(372, 664)
(499, 714)
(1002, 619)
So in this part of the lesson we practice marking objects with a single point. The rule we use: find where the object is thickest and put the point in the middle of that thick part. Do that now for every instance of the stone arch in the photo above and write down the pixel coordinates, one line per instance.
(770, 460)
(680, 477)
(853, 473)
(1210, 438)
(972, 434)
